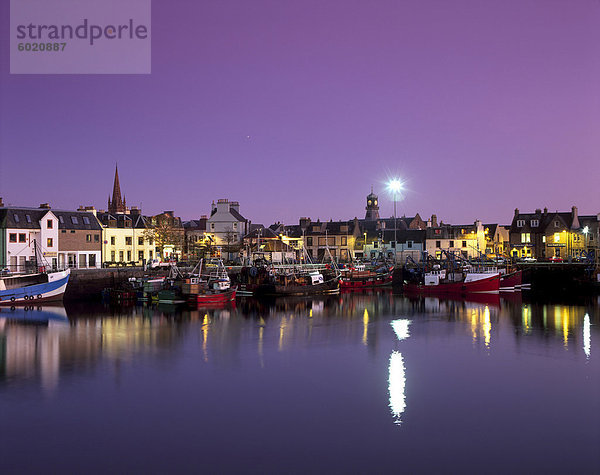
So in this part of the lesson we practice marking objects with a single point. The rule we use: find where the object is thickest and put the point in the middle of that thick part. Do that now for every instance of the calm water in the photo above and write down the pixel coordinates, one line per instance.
(347, 384)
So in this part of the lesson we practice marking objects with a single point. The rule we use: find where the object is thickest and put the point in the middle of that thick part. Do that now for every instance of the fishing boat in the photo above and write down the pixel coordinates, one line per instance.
(512, 281)
(29, 289)
(440, 282)
(211, 285)
(358, 277)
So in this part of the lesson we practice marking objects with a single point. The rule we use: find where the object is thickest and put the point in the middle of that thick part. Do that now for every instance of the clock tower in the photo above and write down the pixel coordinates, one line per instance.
(372, 207)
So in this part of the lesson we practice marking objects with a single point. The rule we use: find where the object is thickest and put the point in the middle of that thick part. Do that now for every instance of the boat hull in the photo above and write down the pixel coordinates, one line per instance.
(511, 282)
(49, 291)
(215, 298)
(350, 283)
(487, 285)
(329, 287)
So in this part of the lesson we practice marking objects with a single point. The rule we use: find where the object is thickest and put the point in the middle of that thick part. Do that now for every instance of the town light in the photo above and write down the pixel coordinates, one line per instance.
(586, 230)
(395, 186)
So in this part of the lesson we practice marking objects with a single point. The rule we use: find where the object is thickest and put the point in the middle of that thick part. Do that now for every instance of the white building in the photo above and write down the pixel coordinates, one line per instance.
(226, 225)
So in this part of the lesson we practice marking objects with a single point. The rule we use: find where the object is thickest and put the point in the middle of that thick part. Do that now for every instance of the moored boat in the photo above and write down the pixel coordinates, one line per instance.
(512, 281)
(359, 278)
(28, 289)
(439, 282)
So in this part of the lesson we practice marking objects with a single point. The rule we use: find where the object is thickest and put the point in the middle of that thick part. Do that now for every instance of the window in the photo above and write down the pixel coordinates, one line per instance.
(235, 225)
(128, 256)
(344, 241)
(321, 241)
(112, 256)
(556, 224)
(141, 241)
(393, 244)
(16, 216)
(121, 256)
(12, 237)
(72, 231)
(438, 244)
(140, 255)
(212, 226)
(525, 237)
(61, 219)
(409, 244)
(309, 241)
(464, 244)
(556, 237)
(151, 241)
(520, 223)
(128, 240)
(74, 220)
(112, 241)
(451, 243)
(149, 254)
(49, 242)
(96, 237)
(535, 223)
(91, 260)
(28, 218)
(63, 231)
(86, 220)
(543, 238)
(22, 237)
(88, 238)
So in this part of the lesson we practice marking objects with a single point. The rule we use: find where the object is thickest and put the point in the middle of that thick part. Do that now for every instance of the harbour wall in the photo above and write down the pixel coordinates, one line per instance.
(89, 283)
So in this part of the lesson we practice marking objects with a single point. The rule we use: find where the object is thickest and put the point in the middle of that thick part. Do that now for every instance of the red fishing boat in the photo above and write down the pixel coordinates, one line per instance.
(211, 297)
(511, 281)
(358, 278)
(438, 282)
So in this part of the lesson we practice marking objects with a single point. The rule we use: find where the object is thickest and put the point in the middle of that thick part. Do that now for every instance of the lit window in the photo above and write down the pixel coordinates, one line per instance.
(88, 238)
(543, 238)
(49, 242)
(525, 237)
(557, 237)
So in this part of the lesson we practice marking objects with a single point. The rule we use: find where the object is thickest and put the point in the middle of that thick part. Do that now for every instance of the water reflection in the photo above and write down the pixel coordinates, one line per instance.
(397, 372)
(37, 343)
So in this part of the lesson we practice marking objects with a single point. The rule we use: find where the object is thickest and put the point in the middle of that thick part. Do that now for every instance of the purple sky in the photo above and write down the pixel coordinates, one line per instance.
(297, 108)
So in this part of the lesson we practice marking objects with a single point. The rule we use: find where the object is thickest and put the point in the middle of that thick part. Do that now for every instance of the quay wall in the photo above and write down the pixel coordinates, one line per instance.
(89, 283)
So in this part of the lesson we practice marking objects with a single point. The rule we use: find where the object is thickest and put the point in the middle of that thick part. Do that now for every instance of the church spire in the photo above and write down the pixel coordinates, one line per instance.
(117, 205)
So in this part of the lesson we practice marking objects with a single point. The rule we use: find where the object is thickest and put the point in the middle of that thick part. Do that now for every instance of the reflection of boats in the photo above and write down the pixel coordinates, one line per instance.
(34, 314)
(441, 282)
(29, 289)
(360, 278)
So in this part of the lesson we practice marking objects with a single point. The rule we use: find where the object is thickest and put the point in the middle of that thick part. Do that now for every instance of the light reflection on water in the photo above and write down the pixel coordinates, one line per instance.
(424, 351)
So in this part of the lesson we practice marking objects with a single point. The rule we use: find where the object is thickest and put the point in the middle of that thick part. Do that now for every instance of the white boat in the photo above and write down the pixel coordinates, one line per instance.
(31, 289)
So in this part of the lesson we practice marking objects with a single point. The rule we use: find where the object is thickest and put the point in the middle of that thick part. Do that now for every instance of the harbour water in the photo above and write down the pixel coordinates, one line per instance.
(354, 383)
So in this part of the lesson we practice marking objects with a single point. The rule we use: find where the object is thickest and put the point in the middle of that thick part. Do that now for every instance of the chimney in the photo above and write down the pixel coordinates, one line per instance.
(545, 210)
(1, 202)
(304, 222)
(574, 218)
(538, 211)
(135, 211)
(434, 222)
(44, 206)
(516, 211)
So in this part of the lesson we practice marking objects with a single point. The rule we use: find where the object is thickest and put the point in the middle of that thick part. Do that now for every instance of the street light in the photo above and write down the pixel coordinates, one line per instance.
(395, 186)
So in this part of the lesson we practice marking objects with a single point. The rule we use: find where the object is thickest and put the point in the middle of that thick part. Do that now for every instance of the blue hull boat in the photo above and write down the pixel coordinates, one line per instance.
(31, 289)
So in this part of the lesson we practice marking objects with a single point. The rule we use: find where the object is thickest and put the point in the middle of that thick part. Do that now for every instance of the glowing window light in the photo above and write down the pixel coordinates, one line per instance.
(397, 386)
(400, 327)
(587, 336)
(487, 327)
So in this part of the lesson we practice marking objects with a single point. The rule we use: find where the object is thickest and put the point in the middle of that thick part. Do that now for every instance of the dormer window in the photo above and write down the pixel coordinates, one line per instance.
(535, 223)
(28, 218)
(16, 216)
(86, 220)
(556, 224)
(74, 220)
(520, 223)
(62, 221)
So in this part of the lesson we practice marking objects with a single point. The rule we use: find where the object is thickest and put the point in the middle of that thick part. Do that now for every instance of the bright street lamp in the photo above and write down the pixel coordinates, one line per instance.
(395, 186)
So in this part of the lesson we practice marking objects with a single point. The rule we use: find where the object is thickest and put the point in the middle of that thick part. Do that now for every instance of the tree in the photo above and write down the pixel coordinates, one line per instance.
(165, 232)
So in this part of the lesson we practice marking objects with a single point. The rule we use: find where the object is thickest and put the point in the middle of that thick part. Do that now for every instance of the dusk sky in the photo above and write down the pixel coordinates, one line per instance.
(297, 108)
